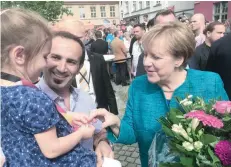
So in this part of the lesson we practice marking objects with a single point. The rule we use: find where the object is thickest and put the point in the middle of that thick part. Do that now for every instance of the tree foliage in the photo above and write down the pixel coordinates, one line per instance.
(51, 10)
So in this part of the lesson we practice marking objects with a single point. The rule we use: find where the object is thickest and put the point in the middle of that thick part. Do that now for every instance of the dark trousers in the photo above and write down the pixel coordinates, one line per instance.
(121, 71)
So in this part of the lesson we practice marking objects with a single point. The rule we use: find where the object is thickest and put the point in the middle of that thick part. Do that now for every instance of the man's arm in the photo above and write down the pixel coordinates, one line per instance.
(124, 50)
(102, 146)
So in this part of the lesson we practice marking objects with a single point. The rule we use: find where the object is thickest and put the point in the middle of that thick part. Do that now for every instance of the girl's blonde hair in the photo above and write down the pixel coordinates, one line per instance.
(25, 28)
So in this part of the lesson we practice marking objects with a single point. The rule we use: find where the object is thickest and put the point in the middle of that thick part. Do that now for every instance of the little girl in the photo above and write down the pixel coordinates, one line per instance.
(29, 116)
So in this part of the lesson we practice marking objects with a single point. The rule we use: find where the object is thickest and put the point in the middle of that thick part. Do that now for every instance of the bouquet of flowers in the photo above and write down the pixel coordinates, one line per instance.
(199, 134)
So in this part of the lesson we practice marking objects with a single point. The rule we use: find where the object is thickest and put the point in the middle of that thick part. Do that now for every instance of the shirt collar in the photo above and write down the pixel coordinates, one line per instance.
(42, 85)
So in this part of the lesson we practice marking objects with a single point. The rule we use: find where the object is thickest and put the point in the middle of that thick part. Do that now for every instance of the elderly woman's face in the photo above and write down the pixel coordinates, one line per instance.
(158, 62)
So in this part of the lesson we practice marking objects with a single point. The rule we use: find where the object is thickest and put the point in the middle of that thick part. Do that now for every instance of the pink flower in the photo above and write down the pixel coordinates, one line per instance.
(222, 107)
(223, 151)
(206, 119)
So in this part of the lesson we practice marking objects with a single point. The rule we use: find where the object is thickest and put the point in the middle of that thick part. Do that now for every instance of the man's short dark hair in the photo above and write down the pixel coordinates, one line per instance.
(211, 26)
(142, 26)
(98, 34)
(67, 35)
(116, 33)
(164, 12)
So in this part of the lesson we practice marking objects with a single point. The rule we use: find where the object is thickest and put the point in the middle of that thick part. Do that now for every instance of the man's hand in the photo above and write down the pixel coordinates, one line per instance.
(103, 149)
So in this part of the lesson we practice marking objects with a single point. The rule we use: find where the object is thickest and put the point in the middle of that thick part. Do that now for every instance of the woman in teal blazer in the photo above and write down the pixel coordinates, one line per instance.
(167, 49)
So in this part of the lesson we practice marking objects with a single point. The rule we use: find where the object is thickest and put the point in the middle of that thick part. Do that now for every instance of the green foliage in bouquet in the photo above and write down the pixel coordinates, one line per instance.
(199, 133)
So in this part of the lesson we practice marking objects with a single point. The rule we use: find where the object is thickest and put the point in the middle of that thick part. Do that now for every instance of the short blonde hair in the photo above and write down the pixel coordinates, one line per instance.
(25, 28)
(179, 39)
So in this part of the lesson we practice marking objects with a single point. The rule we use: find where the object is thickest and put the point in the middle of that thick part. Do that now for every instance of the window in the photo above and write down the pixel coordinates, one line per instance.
(134, 6)
(112, 11)
(157, 2)
(147, 4)
(81, 12)
(103, 11)
(126, 7)
(93, 11)
(140, 5)
(221, 11)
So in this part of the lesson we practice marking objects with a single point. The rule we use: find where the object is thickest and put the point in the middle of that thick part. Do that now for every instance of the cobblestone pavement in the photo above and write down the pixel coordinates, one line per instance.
(128, 155)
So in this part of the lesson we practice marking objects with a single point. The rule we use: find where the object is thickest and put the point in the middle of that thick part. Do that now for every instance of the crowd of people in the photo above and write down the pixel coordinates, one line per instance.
(58, 106)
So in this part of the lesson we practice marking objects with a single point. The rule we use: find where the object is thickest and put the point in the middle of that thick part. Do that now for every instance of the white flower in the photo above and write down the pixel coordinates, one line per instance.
(177, 128)
(180, 130)
(183, 101)
(187, 103)
(190, 96)
(188, 146)
(195, 122)
(198, 145)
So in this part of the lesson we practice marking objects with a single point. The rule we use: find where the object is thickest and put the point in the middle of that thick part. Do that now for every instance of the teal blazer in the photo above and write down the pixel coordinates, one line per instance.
(147, 103)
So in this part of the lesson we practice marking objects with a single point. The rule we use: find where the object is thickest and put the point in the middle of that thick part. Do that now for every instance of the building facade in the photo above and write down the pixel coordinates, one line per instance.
(94, 12)
(214, 10)
(135, 10)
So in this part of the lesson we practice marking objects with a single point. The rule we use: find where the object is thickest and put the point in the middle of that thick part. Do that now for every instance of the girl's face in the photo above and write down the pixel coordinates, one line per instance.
(38, 63)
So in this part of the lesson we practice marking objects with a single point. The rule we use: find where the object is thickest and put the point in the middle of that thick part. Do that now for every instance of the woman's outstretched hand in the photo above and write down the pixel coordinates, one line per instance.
(108, 119)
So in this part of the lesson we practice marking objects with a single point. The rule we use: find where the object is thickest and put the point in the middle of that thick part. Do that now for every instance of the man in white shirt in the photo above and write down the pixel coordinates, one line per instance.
(139, 31)
(198, 26)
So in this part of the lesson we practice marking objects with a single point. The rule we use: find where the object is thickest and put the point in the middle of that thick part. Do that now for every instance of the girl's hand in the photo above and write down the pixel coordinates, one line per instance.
(77, 118)
(87, 131)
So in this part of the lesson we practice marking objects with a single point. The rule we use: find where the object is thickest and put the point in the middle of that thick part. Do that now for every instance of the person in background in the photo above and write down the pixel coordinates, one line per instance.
(99, 46)
(167, 48)
(120, 52)
(127, 40)
(106, 32)
(130, 25)
(163, 16)
(139, 31)
(89, 39)
(145, 18)
(121, 35)
(213, 32)
(110, 38)
(133, 40)
(219, 61)
(94, 71)
(33, 129)
(122, 26)
(198, 25)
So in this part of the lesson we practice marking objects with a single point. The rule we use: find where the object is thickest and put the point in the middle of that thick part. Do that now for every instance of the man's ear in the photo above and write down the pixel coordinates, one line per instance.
(18, 55)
